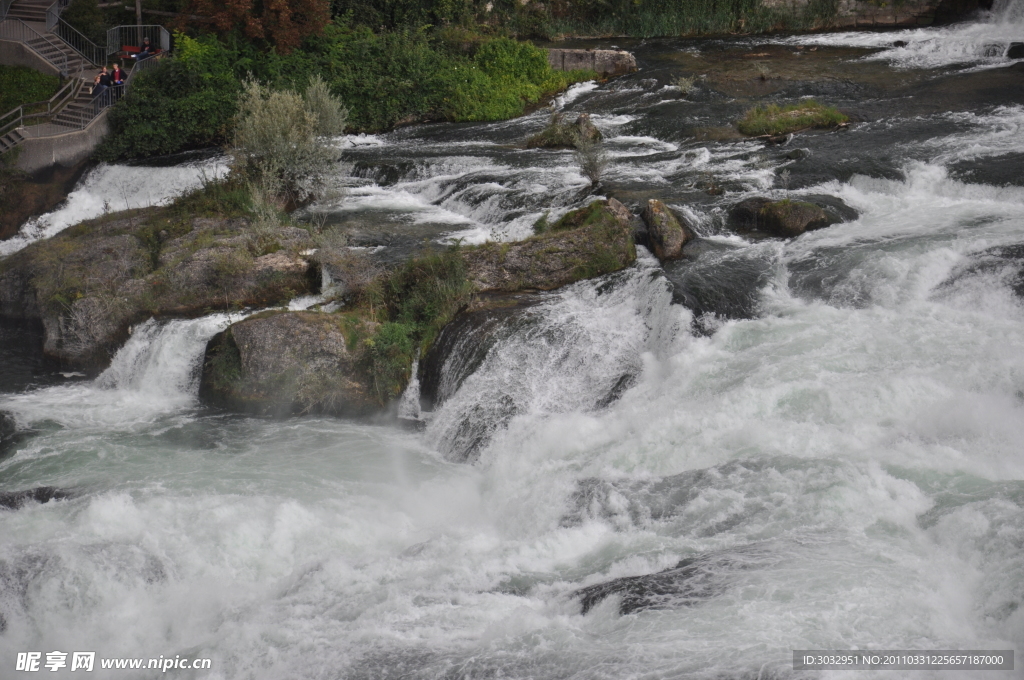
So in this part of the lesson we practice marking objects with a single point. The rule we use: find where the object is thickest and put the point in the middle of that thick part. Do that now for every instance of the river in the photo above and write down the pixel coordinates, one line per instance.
(828, 428)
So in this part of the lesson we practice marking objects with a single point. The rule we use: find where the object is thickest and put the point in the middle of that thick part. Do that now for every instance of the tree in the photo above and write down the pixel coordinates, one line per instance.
(282, 23)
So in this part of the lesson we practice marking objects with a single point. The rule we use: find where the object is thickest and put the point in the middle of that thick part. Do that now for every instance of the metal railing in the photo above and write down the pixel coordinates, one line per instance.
(16, 117)
(4, 6)
(89, 50)
(122, 36)
(19, 31)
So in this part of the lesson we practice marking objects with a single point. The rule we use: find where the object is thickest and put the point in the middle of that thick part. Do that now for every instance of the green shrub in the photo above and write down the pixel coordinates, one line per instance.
(777, 120)
(22, 85)
(183, 103)
(279, 137)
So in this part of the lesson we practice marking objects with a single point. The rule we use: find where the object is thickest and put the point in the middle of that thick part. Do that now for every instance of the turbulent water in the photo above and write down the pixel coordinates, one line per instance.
(829, 427)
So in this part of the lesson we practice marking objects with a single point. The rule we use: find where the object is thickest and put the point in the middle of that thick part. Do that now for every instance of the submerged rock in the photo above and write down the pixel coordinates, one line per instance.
(90, 283)
(1015, 51)
(666, 233)
(690, 582)
(12, 500)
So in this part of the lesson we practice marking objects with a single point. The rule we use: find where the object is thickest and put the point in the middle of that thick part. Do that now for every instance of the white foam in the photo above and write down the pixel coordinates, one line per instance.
(108, 188)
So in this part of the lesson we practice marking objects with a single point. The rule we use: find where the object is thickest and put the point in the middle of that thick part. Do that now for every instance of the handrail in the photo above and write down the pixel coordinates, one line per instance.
(64, 94)
(19, 31)
(14, 124)
(118, 36)
(53, 104)
(78, 42)
(5, 5)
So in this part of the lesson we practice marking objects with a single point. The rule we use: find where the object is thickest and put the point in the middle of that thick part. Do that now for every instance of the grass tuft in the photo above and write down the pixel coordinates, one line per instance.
(779, 120)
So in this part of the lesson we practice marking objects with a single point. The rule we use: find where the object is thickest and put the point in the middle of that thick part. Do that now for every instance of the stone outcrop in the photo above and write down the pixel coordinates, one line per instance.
(666, 233)
(90, 283)
(284, 362)
(291, 362)
(585, 243)
(784, 218)
(562, 135)
(606, 63)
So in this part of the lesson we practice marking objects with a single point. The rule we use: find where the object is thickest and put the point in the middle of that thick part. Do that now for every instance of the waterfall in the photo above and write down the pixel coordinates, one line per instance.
(108, 188)
(579, 350)
(155, 373)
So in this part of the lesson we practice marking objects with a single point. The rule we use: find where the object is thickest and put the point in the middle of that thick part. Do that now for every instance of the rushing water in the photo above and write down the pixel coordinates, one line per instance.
(830, 426)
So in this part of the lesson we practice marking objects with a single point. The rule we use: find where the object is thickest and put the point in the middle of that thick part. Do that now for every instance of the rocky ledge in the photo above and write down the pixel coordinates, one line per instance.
(90, 283)
(355, 361)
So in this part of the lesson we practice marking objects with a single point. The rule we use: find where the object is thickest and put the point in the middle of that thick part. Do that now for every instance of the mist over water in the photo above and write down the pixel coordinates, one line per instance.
(829, 426)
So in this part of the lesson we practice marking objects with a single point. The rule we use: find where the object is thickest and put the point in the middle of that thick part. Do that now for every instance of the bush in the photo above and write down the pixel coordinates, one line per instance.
(22, 85)
(182, 103)
(777, 120)
(279, 139)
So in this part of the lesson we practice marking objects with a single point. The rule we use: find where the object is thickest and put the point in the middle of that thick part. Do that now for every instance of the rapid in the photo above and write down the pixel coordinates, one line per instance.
(830, 427)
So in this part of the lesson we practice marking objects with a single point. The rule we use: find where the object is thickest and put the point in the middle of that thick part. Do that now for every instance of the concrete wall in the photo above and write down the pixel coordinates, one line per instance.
(16, 54)
(605, 62)
(67, 149)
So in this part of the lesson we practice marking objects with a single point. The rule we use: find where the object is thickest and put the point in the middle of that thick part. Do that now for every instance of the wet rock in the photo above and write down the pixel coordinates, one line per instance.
(583, 244)
(797, 154)
(786, 218)
(899, 43)
(744, 215)
(791, 218)
(689, 583)
(666, 233)
(718, 282)
(12, 500)
(560, 134)
(88, 284)
(285, 362)
(1015, 51)
(290, 362)
(463, 344)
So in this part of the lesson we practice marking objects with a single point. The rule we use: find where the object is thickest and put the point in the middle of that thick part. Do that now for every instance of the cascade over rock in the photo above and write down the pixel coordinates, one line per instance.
(281, 362)
(90, 283)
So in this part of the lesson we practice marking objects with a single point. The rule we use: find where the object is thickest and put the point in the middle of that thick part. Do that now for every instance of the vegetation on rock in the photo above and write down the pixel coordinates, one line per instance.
(398, 317)
(91, 282)
(778, 120)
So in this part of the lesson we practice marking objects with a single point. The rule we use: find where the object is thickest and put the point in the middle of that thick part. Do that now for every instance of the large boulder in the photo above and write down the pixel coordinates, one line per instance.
(666, 233)
(90, 283)
(792, 218)
(784, 218)
(285, 362)
(586, 243)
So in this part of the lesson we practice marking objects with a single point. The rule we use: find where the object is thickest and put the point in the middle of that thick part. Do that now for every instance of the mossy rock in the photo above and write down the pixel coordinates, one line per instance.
(791, 218)
(780, 120)
(560, 134)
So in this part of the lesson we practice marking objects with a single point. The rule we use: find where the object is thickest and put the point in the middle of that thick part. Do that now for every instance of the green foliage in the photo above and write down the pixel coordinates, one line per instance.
(183, 103)
(777, 120)
(87, 18)
(22, 85)
(279, 138)
(385, 78)
(417, 300)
